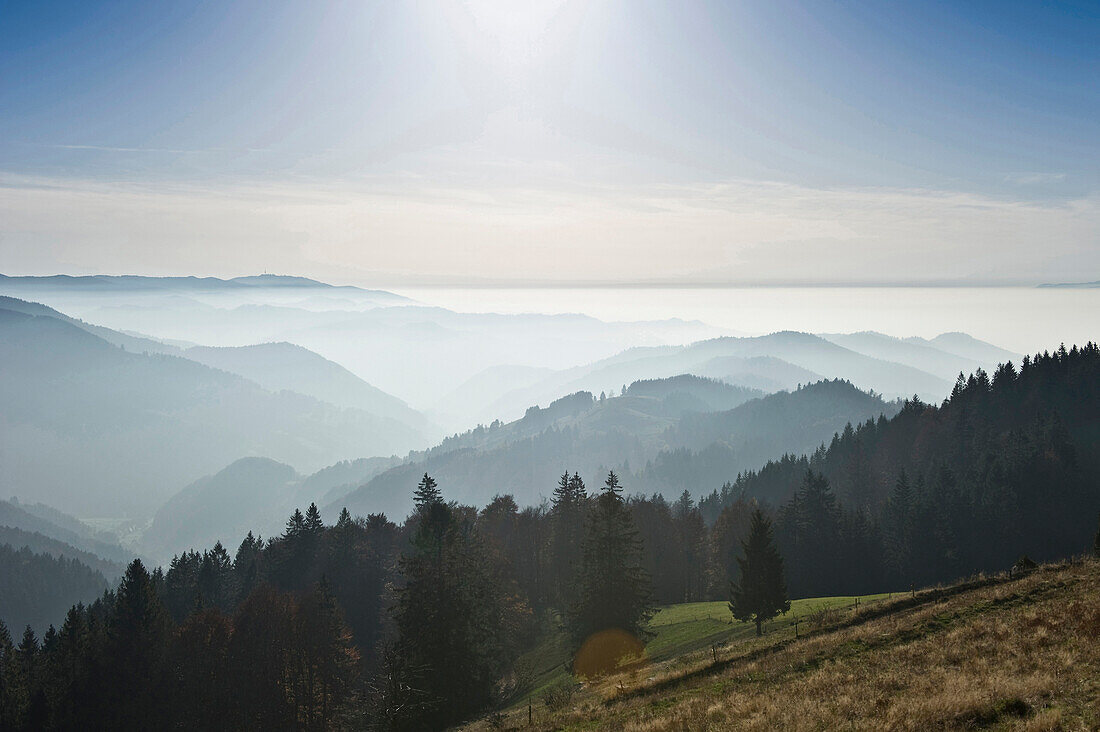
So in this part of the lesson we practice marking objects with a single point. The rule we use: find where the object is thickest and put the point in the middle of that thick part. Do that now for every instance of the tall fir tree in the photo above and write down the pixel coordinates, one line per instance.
(761, 593)
(451, 616)
(614, 590)
(426, 493)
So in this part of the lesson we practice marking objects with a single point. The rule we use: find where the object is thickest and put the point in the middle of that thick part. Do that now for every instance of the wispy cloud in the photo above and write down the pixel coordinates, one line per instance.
(115, 149)
(404, 229)
(1029, 179)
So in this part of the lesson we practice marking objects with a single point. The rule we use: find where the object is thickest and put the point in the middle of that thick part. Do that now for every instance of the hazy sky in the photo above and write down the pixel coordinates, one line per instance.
(386, 143)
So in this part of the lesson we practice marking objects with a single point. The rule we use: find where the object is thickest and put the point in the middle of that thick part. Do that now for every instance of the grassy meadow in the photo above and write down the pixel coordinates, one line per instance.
(676, 630)
(991, 653)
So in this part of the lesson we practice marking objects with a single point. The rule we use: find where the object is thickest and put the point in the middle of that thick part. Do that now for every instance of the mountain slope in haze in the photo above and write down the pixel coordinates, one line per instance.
(132, 343)
(924, 355)
(42, 544)
(251, 494)
(795, 354)
(967, 346)
(274, 366)
(16, 515)
(396, 347)
(37, 589)
(589, 436)
(646, 409)
(765, 373)
(122, 283)
(285, 366)
(248, 495)
(98, 429)
(466, 404)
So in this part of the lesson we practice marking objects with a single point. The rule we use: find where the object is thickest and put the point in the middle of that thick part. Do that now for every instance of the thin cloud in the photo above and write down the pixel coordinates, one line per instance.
(738, 231)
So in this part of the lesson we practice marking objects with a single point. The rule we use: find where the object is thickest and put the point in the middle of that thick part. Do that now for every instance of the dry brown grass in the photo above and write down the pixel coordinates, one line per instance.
(1005, 654)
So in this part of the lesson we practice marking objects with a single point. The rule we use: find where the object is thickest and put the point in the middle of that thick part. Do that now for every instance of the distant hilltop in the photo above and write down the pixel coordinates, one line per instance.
(139, 282)
(1072, 285)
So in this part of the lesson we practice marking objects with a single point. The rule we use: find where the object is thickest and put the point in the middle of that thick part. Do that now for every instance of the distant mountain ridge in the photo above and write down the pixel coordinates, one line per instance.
(142, 282)
(285, 366)
(41, 544)
(98, 428)
(18, 517)
(1071, 284)
(774, 360)
(251, 494)
(643, 435)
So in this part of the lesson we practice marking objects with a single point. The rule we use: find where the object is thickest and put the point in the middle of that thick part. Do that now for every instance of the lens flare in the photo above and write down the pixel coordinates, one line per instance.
(607, 651)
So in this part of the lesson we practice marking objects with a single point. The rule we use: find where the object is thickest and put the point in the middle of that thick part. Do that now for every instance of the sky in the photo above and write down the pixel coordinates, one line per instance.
(553, 141)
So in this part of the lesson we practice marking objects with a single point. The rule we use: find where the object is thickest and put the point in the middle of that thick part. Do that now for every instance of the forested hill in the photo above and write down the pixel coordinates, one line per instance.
(1006, 466)
(38, 589)
(664, 436)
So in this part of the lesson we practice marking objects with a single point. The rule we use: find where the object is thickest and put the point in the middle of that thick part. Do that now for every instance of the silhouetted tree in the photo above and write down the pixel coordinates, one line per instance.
(761, 593)
(614, 590)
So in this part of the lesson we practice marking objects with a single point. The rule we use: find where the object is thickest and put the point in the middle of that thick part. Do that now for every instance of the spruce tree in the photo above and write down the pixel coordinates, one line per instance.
(450, 616)
(567, 531)
(313, 522)
(614, 590)
(138, 629)
(295, 525)
(426, 493)
(762, 592)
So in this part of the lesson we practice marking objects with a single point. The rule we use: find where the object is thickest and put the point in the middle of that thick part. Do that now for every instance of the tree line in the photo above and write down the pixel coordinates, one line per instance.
(418, 625)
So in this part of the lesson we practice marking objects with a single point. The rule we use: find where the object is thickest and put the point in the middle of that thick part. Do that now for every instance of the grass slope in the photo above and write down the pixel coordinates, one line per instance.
(675, 630)
(991, 653)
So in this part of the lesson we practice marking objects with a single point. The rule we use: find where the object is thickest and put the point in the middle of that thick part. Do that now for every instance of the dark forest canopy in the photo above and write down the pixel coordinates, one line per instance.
(341, 625)
(38, 586)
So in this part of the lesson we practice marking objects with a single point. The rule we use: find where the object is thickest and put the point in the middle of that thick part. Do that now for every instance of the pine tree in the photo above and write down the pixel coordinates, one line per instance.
(567, 530)
(426, 493)
(450, 615)
(138, 631)
(614, 591)
(295, 525)
(762, 592)
(313, 522)
(563, 494)
(246, 566)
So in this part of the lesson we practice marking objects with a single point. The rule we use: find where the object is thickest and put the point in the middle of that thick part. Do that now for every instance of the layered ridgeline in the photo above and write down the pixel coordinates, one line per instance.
(390, 341)
(49, 561)
(88, 424)
(892, 366)
(39, 519)
(664, 436)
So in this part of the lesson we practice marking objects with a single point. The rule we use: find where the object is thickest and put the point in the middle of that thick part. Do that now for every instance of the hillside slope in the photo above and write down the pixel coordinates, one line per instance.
(777, 360)
(103, 431)
(670, 430)
(287, 367)
(999, 652)
(19, 516)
